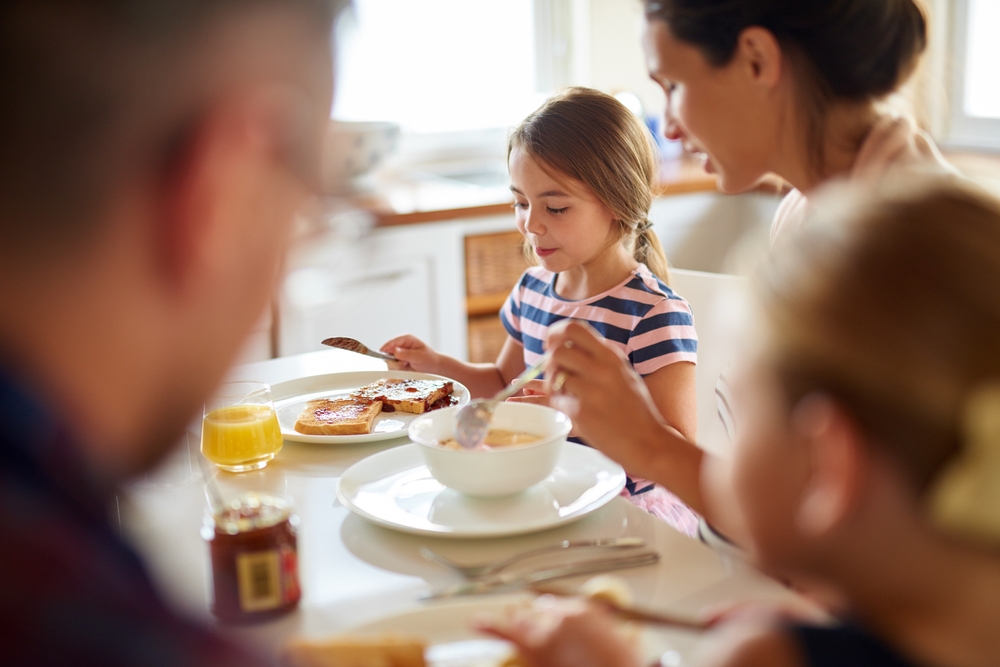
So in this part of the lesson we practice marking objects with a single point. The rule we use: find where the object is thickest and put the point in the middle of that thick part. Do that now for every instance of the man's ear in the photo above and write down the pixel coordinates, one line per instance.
(837, 463)
(217, 170)
(760, 53)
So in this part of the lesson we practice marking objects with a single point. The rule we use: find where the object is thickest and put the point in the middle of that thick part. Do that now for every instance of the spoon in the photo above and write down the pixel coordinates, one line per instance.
(473, 420)
(352, 345)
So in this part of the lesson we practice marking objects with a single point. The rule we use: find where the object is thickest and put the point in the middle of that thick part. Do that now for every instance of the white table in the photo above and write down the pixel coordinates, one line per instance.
(352, 571)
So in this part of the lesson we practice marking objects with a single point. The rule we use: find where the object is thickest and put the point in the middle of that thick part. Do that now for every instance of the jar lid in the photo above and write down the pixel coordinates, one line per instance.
(251, 511)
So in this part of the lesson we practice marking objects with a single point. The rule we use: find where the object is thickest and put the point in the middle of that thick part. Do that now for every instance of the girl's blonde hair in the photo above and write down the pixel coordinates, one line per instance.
(593, 138)
(892, 308)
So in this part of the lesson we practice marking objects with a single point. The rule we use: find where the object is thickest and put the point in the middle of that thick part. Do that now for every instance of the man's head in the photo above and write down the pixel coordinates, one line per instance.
(152, 155)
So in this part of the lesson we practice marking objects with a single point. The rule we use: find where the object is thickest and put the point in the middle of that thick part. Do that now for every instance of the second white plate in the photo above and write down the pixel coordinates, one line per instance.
(394, 489)
(291, 397)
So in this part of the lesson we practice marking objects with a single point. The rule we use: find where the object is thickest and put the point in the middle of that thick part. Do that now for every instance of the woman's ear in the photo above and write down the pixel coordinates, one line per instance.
(760, 53)
(836, 464)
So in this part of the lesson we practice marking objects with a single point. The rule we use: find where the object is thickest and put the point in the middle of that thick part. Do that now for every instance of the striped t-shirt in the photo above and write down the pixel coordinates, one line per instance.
(642, 316)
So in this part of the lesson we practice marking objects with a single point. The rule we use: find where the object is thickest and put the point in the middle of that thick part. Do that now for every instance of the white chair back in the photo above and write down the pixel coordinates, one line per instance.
(719, 304)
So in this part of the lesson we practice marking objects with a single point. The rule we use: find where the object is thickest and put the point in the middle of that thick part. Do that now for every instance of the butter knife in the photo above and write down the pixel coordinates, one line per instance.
(507, 583)
(351, 345)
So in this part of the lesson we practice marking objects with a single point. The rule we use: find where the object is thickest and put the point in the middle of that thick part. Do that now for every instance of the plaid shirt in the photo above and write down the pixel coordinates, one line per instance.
(71, 591)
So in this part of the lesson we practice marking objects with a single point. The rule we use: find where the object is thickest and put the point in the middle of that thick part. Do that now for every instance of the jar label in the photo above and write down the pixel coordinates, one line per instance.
(259, 579)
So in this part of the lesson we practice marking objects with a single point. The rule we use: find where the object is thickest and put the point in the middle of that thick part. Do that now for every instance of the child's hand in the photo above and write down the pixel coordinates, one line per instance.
(533, 392)
(563, 633)
(413, 354)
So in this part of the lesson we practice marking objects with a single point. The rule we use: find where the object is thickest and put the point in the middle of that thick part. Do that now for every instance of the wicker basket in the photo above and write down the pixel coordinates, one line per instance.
(493, 263)
(486, 338)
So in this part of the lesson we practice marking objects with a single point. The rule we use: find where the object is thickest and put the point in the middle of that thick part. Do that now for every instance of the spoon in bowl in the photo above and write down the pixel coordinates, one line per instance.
(473, 420)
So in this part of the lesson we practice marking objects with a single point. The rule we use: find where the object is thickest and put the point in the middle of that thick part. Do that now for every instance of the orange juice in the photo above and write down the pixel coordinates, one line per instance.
(241, 437)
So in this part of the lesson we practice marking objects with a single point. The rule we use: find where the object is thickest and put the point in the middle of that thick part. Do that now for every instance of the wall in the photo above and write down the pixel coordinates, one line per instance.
(607, 53)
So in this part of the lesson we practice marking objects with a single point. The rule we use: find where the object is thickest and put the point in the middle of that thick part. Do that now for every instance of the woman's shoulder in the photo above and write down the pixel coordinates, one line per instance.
(895, 142)
(790, 214)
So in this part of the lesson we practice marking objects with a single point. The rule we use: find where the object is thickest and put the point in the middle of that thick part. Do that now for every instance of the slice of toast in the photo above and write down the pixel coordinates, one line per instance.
(415, 396)
(341, 416)
(347, 651)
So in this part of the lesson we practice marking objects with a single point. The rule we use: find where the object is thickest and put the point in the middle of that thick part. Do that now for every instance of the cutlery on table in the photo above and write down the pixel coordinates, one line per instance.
(473, 421)
(504, 584)
(352, 345)
(487, 569)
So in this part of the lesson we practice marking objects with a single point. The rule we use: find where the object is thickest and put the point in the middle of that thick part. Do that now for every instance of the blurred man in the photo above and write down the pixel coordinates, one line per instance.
(152, 154)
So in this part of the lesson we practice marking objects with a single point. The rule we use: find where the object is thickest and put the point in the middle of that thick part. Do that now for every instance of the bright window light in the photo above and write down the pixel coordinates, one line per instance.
(437, 65)
(982, 79)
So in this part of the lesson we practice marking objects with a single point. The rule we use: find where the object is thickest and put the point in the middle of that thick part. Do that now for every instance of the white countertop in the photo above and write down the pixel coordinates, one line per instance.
(351, 571)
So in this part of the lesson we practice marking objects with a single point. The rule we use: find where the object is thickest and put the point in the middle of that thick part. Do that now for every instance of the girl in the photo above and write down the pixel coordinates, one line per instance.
(786, 87)
(581, 170)
(868, 455)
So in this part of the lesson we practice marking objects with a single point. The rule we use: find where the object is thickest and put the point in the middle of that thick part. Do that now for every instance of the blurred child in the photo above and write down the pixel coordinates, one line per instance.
(581, 171)
(868, 454)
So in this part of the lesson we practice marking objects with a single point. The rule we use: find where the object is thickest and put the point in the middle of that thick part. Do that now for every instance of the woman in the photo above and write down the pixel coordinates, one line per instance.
(785, 87)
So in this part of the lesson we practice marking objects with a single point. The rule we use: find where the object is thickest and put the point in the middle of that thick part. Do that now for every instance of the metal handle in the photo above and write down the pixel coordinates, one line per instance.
(499, 583)
(524, 378)
(588, 567)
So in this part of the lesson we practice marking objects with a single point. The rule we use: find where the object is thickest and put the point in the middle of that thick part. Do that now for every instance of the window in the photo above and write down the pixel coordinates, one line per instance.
(438, 66)
(975, 100)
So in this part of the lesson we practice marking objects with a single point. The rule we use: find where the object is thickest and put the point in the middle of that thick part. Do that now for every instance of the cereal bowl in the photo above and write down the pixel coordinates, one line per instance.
(493, 471)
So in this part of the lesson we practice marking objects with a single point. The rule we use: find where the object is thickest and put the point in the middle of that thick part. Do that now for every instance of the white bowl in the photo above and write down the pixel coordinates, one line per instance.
(353, 149)
(499, 471)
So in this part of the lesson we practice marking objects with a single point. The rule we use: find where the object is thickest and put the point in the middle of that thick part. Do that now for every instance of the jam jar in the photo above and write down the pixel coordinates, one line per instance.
(254, 559)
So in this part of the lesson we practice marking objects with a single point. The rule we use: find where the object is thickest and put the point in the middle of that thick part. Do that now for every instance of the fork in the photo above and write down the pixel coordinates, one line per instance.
(500, 583)
(482, 570)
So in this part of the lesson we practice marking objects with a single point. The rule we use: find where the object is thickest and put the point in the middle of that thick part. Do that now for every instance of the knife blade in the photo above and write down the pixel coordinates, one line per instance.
(351, 345)
(507, 583)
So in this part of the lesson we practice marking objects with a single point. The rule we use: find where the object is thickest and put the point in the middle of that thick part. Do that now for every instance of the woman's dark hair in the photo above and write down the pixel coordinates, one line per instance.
(854, 50)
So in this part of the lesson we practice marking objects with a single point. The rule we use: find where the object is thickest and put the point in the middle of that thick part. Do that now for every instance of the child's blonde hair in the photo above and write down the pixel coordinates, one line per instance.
(593, 138)
(892, 308)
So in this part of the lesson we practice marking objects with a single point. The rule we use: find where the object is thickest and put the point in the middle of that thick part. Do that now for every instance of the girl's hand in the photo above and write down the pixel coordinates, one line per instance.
(533, 392)
(556, 632)
(607, 400)
(413, 354)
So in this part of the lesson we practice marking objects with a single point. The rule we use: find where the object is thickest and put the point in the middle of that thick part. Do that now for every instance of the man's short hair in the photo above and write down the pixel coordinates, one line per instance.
(82, 83)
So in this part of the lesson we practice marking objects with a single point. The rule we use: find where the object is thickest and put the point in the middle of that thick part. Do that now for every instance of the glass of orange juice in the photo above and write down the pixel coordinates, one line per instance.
(240, 431)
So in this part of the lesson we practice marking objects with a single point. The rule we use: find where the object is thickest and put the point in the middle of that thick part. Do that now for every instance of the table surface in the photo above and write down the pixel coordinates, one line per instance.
(354, 572)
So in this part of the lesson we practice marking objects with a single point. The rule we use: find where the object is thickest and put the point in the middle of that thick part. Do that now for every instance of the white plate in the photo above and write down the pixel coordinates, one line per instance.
(451, 643)
(394, 489)
(291, 397)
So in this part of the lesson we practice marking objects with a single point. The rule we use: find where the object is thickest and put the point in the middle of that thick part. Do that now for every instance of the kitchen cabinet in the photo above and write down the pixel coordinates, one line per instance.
(370, 305)
(375, 286)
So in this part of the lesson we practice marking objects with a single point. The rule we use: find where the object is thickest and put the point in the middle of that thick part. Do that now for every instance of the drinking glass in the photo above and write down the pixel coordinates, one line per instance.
(240, 431)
